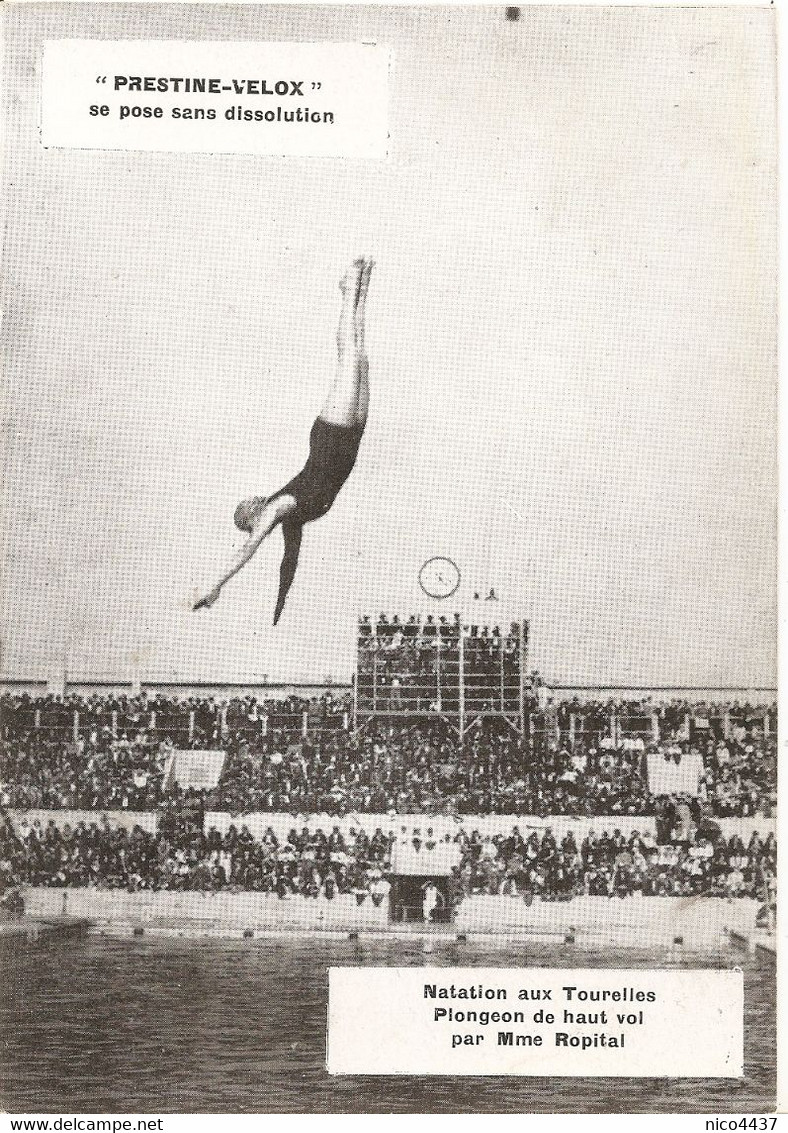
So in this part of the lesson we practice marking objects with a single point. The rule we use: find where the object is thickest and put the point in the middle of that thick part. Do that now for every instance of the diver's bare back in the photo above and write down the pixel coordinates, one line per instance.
(333, 447)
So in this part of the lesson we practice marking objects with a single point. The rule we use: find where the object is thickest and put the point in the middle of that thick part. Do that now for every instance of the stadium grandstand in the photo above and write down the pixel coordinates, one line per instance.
(447, 771)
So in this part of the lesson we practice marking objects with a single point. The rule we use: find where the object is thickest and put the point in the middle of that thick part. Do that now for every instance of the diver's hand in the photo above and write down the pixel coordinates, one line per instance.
(209, 599)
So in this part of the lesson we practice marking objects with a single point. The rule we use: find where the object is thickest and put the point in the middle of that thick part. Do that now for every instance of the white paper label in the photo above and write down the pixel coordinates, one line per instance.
(530, 1021)
(272, 99)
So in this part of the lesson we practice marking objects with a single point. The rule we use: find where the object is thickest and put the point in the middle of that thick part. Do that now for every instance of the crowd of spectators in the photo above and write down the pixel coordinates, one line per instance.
(189, 721)
(301, 756)
(92, 772)
(314, 864)
(414, 665)
(420, 767)
(110, 752)
(183, 857)
(606, 865)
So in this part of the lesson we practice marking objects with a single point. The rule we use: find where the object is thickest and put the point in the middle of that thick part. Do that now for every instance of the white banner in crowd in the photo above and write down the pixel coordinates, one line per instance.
(198, 769)
(667, 777)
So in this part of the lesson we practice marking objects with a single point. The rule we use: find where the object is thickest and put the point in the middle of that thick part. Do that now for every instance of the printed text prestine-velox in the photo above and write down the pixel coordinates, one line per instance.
(141, 84)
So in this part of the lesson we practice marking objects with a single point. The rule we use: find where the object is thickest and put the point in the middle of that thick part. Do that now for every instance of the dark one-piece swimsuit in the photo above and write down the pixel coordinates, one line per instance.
(332, 453)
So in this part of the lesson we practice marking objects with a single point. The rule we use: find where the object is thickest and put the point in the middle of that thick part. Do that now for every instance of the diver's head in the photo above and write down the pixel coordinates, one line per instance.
(247, 512)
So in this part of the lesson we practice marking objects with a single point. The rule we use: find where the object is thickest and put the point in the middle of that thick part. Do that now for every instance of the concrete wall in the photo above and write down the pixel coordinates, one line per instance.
(17, 686)
(487, 824)
(224, 690)
(661, 694)
(208, 911)
(634, 921)
(439, 824)
(182, 690)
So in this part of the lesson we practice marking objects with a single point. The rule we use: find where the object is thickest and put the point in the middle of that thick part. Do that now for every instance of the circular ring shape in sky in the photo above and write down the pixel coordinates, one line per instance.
(439, 577)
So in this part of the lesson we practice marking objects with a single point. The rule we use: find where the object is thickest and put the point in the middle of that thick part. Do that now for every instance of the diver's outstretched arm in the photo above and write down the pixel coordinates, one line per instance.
(292, 534)
(272, 514)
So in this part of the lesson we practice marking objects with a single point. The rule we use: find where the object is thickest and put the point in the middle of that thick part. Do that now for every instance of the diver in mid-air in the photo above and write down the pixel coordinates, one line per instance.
(333, 447)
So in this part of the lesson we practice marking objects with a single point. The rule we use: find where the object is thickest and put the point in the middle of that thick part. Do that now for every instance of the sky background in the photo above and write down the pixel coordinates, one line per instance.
(571, 338)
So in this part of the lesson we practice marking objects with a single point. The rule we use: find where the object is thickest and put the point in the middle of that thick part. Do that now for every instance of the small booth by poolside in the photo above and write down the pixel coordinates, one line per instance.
(422, 877)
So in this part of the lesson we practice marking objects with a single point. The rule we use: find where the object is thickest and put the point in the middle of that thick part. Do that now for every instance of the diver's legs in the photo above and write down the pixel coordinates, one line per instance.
(362, 406)
(343, 406)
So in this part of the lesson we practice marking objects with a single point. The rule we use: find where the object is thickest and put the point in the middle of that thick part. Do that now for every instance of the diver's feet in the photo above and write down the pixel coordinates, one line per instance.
(350, 282)
(349, 285)
(358, 314)
(363, 286)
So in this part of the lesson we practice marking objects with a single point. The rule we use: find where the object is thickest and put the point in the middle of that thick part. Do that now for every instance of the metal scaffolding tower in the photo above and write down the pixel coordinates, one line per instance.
(445, 668)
